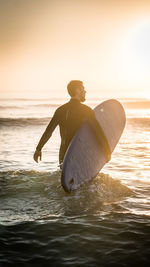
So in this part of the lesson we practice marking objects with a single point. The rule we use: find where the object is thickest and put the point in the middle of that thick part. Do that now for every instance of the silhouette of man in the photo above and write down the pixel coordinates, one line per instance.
(70, 117)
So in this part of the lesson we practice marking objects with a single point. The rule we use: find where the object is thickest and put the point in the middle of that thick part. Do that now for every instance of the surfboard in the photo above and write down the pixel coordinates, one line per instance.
(84, 157)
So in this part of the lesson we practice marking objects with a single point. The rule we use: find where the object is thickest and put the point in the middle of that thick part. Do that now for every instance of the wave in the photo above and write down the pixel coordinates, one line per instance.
(136, 104)
(44, 120)
(128, 104)
(142, 122)
(10, 107)
(33, 195)
(29, 106)
(103, 185)
(40, 194)
(24, 121)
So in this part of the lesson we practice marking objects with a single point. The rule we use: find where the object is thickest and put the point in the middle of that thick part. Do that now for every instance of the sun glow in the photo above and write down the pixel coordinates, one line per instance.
(106, 46)
(135, 58)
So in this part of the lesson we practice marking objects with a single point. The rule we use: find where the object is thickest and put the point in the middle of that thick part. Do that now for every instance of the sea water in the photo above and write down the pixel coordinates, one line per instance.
(104, 223)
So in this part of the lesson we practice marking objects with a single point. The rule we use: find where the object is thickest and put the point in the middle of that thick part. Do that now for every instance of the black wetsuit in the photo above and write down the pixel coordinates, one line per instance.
(70, 117)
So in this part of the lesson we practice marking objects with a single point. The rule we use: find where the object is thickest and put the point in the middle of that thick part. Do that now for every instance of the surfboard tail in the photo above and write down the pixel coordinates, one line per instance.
(63, 183)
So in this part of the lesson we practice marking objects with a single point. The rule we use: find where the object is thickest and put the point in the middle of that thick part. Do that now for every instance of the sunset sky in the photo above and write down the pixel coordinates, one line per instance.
(46, 43)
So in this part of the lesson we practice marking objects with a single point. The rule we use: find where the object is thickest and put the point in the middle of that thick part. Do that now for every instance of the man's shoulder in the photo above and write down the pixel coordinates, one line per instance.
(87, 108)
(66, 105)
(62, 107)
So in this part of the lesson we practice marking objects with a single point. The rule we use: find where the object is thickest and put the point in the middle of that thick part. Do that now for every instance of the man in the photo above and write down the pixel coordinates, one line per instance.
(70, 117)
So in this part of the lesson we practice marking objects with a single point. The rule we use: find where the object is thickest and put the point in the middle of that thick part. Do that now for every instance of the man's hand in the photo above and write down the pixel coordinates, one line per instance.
(108, 157)
(37, 154)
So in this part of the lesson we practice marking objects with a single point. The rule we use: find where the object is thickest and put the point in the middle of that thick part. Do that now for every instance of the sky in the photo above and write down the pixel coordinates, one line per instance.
(46, 43)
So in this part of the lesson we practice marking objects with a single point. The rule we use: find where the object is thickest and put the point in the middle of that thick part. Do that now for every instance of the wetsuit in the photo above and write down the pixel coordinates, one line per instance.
(70, 117)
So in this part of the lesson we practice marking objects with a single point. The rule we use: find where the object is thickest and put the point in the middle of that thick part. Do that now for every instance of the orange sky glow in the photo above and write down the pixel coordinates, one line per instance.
(46, 43)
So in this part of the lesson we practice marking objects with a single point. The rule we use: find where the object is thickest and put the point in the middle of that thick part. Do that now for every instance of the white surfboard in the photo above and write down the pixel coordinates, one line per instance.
(84, 157)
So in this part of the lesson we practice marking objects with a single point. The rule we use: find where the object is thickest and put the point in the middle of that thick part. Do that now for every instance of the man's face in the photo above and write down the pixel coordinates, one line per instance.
(81, 93)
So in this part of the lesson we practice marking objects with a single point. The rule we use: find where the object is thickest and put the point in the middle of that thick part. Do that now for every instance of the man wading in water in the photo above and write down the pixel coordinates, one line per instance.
(70, 117)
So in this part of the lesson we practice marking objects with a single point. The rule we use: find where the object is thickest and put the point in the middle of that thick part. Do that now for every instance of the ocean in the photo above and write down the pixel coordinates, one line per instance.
(104, 223)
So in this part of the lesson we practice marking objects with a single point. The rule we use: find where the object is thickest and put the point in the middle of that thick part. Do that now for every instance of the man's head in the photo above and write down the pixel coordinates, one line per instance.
(76, 90)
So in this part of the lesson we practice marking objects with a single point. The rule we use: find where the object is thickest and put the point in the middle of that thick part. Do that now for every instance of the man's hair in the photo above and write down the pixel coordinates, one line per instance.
(72, 86)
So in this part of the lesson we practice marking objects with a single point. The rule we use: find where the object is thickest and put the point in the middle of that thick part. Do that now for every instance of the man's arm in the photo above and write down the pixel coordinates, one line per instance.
(100, 136)
(45, 137)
